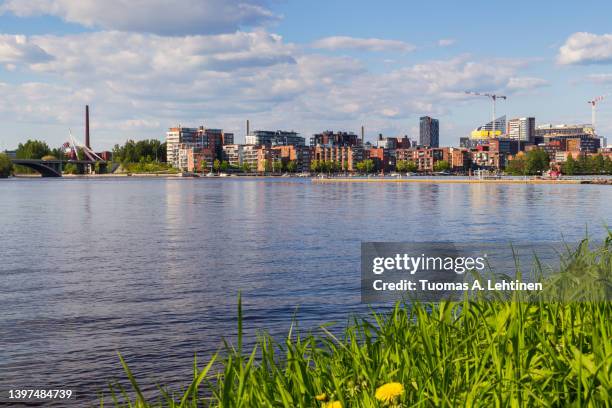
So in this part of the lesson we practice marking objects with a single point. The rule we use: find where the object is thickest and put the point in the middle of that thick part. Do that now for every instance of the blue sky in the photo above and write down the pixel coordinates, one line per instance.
(308, 66)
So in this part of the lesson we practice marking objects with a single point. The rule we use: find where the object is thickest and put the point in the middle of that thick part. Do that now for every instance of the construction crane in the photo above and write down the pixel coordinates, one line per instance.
(593, 104)
(494, 98)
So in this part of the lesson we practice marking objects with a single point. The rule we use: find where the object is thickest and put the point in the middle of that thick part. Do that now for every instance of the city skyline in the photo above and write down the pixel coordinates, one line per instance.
(291, 66)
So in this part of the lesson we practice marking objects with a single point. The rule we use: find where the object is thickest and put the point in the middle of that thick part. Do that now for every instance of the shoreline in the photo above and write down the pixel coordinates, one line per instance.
(458, 181)
(425, 179)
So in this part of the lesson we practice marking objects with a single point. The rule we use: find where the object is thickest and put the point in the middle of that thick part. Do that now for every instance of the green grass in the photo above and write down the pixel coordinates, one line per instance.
(553, 350)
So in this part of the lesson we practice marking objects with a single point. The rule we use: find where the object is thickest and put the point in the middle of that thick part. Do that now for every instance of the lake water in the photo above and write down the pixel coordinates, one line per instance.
(152, 267)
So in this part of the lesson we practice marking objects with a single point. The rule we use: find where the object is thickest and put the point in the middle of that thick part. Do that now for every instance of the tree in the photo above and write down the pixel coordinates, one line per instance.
(71, 168)
(6, 166)
(407, 166)
(141, 151)
(598, 164)
(365, 166)
(570, 167)
(412, 167)
(246, 167)
(292, 166)
(217, 165)
(277, 166)
(314, 166)
(442, 165)
(224, 165)
(608, 165)
(517, 166)
(583, 165)
(537, 161)
(32, 149)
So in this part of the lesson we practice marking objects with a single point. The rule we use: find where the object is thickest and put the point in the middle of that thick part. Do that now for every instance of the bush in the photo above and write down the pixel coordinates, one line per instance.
(6, 166)
(71, 168)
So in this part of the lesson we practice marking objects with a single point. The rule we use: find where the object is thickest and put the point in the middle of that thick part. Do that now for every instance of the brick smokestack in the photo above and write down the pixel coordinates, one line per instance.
(248, 128)
(87, 126)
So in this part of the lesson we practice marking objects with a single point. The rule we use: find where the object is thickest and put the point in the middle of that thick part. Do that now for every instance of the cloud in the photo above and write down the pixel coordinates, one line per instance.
(138, 84)
(362, 44)
(152, 16)
(113, 54)
(526, 83)
(446, 42)
(17, 49)
(600, 78)
(586, 48)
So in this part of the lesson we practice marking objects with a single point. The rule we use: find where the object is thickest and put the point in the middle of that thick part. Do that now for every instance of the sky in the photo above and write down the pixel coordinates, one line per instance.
(308, 66)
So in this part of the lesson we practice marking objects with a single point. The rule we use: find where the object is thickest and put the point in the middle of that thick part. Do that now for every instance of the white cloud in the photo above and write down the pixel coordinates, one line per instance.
(446, 42)
(139, 84)
(153, 16)
(600, 78)
(526, 83)
(362, 44)
(17, 49)
(586, 48)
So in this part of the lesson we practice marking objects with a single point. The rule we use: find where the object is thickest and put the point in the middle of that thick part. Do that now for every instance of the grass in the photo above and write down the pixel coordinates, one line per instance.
(553, 350)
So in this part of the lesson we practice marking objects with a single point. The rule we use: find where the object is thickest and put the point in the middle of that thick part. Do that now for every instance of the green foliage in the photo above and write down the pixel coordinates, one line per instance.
(135, 152)
(149, 167)
(6, 166)
(71, 168)
(595, 164)
(292, 166)
(366, 166)
(533, 162)
(32, 149)
(407, 166)
(442, 165)
(246, 167)
(277, 166)
(224, 165)
(325, 166)
(217, 165)
(537, 161)
(519, 352)
(569, 167)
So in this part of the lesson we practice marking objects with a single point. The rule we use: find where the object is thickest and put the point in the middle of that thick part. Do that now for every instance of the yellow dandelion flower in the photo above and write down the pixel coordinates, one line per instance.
(321, 397)
(334, 404)
(389, 391)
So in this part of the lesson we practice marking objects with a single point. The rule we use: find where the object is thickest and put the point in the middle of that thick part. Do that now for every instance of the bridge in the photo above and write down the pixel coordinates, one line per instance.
(53, 168)
(74, 150)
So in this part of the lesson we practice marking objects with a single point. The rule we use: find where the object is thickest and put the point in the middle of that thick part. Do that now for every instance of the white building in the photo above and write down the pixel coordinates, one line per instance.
(522, 129)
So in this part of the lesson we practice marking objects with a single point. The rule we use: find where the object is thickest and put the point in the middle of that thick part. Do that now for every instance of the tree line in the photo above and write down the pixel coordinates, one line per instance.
(537, 161)
(142, 151)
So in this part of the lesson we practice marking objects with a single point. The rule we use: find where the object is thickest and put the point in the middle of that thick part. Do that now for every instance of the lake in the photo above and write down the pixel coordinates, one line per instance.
(153, 267)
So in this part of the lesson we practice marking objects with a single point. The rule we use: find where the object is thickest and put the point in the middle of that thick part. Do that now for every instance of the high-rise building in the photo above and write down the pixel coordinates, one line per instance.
(429, 132)
(274, 138)
(486, 131)
(522, 129)
(178, 138)
(174, 138)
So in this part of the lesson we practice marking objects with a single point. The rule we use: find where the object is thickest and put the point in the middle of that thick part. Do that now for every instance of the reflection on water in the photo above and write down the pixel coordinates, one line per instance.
(153, 267)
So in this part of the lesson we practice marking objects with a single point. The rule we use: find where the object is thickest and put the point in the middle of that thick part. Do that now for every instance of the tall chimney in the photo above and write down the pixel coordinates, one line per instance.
(87, 126)
(248, 128)
(362, 136)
